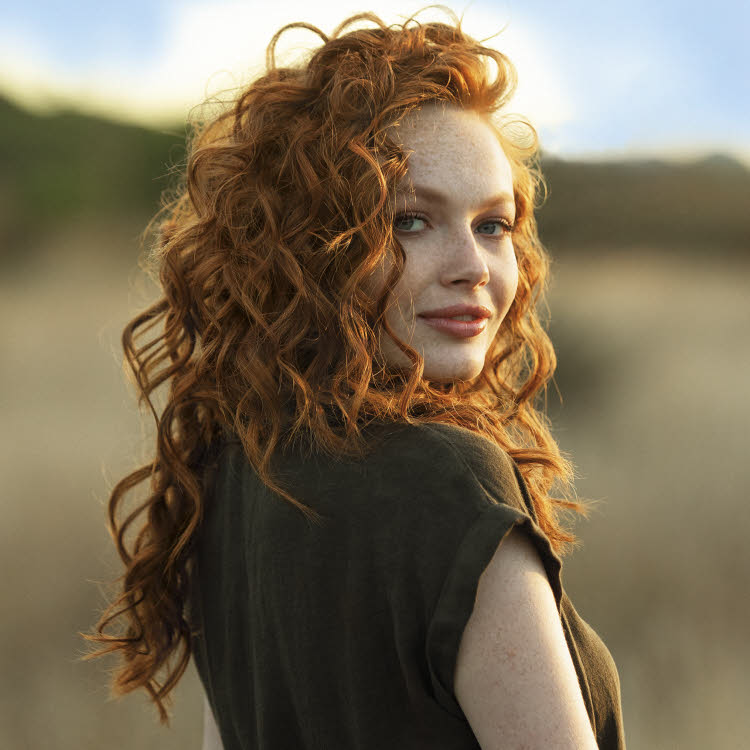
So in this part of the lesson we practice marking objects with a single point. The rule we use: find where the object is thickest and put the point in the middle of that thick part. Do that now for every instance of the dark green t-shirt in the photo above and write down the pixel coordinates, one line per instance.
(345, 635)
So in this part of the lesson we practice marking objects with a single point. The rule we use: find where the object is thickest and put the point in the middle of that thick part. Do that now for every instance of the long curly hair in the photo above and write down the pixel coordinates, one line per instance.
(264, 330)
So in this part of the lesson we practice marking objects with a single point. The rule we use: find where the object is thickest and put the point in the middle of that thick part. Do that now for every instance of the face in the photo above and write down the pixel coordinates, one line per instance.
(454, 213)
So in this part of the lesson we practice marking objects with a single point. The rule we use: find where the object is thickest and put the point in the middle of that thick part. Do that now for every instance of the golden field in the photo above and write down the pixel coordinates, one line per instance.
(654, 355)
(653, 342)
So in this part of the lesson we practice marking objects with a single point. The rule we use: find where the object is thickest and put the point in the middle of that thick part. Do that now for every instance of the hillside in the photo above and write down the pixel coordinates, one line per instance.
(68, 168)
(687, 206)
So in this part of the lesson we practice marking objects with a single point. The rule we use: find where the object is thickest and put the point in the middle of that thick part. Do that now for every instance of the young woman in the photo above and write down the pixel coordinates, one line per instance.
(349, 523)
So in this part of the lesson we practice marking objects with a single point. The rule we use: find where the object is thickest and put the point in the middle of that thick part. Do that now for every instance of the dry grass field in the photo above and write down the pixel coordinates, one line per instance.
(654, 359)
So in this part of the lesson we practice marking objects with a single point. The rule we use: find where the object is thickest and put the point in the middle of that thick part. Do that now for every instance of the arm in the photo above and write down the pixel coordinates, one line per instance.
(514, 679)
(211, 737)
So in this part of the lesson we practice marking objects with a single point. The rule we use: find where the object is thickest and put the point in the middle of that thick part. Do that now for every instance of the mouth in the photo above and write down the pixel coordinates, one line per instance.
(458, 328)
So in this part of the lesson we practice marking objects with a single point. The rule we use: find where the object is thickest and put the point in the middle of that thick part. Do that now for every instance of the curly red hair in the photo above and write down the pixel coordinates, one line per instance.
(264, 329)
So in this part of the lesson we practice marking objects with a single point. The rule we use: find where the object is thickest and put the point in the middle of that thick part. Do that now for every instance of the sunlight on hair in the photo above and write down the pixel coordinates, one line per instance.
(290, 352)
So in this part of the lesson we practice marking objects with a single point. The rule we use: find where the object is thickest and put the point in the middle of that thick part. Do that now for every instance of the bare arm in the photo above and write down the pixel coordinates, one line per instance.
(211, 737)
(515, 680)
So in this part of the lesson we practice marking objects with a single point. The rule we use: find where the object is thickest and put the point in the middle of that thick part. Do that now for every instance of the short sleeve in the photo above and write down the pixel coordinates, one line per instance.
(465, 494)
(345, 632)
(458, 594)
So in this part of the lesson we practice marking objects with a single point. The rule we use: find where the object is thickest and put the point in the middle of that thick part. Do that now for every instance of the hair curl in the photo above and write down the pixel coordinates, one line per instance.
(264, 329)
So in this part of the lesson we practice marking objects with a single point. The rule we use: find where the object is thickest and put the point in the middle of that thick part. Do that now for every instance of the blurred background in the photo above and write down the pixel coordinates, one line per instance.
(643, 115)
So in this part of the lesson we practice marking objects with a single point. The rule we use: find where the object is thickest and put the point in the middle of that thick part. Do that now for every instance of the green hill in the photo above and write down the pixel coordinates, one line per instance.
(71, 168)
(686, 206)
(66, 168)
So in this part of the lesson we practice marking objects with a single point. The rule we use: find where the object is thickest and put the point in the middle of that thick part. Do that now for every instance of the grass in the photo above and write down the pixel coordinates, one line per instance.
(653, 360)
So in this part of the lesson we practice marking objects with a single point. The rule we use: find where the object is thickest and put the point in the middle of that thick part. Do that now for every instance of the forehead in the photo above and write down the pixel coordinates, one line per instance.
(453, 148)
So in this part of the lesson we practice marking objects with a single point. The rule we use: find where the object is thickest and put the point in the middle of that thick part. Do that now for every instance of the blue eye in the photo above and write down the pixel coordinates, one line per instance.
(406, 223)
(501, 226)
(411, 223)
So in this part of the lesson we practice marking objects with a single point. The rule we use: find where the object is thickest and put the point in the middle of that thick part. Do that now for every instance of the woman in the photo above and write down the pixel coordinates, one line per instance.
(349, 524)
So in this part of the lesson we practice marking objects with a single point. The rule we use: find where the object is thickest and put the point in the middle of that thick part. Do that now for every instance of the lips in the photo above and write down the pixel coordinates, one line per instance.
(461, 328)
(477, 312)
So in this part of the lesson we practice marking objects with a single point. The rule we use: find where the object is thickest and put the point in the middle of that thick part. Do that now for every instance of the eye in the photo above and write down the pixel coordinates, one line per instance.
(409, 223)
(497, 227)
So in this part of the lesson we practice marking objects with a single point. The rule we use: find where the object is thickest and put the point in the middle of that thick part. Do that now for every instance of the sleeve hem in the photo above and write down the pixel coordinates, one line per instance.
(457, 598)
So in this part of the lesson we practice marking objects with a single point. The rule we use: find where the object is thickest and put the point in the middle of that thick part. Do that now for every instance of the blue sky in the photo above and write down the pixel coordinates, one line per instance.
(597, 78)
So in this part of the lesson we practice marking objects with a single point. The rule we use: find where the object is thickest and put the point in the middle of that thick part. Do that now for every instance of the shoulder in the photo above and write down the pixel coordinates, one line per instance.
(419, 470)
(480, 453)
(440, 464)
(444, 453)
(456, 444)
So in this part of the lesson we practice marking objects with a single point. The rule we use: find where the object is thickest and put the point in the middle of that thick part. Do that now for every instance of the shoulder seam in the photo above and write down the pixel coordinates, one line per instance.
(463, 460)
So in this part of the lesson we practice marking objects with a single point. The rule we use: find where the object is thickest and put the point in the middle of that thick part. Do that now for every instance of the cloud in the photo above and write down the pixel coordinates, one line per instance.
(591, 83)
(211, 47)
(543, 94)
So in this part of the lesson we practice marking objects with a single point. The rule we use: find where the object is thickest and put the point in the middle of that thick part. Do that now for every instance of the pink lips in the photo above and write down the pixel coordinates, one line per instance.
(476, 311)
(441, 320)
(460, 328)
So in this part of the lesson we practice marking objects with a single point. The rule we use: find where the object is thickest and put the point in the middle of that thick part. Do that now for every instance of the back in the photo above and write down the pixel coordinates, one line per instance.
(346, 634)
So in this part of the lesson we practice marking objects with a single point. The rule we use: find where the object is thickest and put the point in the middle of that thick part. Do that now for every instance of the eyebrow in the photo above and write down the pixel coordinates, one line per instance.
(436, 196)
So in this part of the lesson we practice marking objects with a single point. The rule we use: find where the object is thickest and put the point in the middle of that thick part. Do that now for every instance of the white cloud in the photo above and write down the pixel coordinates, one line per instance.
(586, 93)
(210, 47)
(543, 95)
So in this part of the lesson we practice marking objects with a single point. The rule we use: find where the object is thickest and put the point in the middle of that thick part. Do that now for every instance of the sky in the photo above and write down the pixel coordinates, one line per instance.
(598, 79)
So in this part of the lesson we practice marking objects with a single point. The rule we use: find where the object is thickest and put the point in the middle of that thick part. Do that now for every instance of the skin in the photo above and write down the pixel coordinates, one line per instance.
(514, 677)
(459, 247)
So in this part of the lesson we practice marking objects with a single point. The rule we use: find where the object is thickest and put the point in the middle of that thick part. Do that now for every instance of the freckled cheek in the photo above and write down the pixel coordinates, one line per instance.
(513, 281)
(507, 284)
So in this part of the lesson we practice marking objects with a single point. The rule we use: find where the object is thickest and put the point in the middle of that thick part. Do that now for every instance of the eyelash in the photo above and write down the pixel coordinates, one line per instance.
(507, 225)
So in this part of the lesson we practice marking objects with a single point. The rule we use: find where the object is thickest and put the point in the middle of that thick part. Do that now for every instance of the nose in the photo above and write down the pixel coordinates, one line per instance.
(465, 259)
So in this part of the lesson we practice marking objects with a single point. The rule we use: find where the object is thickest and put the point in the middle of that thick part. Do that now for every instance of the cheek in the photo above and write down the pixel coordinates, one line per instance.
(513, 280)
(405, 295)
(507, 275)
(399, 300)
(376, 282)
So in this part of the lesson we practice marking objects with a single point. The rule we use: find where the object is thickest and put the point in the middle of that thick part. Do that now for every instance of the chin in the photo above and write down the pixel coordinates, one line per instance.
(449, 372)
(440, 366)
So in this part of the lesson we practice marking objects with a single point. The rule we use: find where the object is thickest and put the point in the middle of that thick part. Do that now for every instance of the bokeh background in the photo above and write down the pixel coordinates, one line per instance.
(643, 116)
